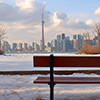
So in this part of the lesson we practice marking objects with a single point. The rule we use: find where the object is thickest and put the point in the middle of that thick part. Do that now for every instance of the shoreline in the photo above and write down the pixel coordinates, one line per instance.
(48, 72)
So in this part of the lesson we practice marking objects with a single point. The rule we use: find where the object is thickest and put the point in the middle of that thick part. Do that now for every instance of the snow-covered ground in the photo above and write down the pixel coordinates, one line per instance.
(21, 87)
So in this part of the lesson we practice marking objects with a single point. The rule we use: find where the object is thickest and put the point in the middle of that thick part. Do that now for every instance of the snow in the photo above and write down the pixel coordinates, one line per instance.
(21, 87)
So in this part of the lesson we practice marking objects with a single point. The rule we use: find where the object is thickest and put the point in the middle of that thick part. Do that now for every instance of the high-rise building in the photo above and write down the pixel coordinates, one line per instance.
(25, 47)
(62, 36)
(61, 45)
(6, 46)
(29, 48)
(74, 36)
(71, 44)
(80, 40)
(58, 37)
(14, 46)
(66, 43)
(52, 43)
(58, 42)
(36, 47)
(20, 46)
(76, 44)
(43, 44)
(33, 44)
(55, 43)
(48, 44)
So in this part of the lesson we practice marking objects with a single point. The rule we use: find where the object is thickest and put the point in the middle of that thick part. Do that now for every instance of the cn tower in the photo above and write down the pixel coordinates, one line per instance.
(42, 22)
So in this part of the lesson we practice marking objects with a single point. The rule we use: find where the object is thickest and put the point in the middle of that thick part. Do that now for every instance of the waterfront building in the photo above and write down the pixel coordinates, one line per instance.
(58, 37)
(58, 42)
(20, 47)
(66, 43)
(25, 47)
(29, 48)
(74, 36)
(62, 36)
(55, 43)
(80, 41)
(33, 45)
(36, 47)
(61, 45)
(48, 44)
(6, 46)
(14, 46)
(71, 44)
(76, 44)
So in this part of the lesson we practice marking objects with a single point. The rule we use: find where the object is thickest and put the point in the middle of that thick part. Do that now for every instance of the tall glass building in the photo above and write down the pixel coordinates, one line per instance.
(62, 36)
(74, 36)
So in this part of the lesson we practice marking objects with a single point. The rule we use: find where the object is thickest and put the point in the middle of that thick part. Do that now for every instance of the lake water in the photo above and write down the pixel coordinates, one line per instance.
(18, 61)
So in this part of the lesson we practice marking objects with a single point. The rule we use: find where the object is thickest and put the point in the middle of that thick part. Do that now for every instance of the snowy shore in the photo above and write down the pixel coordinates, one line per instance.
(21, 87)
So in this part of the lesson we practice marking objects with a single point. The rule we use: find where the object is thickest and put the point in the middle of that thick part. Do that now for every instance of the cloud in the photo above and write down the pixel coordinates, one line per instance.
(59, 18)
(24, 19)
(80, 15)
(1, 1)
(92, 21)
(97, 12)
(7, 12)
(76, 24)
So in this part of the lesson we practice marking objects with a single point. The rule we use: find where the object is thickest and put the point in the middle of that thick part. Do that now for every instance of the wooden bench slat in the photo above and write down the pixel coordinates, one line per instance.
(68, 61)
(68, 80)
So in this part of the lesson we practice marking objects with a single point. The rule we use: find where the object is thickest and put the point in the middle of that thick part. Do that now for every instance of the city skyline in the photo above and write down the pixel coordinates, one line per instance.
(61, 43)
(69, 17)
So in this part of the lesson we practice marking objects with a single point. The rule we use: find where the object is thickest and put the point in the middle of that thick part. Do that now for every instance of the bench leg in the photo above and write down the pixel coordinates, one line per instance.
(51, 92)
(51, 78)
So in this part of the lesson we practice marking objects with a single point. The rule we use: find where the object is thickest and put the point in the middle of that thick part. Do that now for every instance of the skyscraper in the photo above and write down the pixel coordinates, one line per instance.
(66, 43)
(58, 38)
(80, 41)
(6, 46)
(74, 36)
(14, 46)
(20, 46)
(58, 41)
(62, 36)
(25, 46)
(43, 44)
(76, 44)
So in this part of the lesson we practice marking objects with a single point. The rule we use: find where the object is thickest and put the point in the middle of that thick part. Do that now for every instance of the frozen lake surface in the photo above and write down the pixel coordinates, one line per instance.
(24, 62)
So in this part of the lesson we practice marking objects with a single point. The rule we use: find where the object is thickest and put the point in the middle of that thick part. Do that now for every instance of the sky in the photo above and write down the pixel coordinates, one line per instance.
(23, 18)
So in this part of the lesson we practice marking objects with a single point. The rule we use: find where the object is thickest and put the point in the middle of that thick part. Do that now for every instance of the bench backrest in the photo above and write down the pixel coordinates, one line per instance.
(67, 61)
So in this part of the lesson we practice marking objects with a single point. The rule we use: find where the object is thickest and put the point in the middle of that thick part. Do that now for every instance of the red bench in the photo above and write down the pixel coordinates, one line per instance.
(65, 61)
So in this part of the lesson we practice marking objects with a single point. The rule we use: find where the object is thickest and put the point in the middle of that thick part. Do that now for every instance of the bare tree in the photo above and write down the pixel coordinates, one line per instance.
(2, 33)
(88, 48)
(87, 38)
(96, 31)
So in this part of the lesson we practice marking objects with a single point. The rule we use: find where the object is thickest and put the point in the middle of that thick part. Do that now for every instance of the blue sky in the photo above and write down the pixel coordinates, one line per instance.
(22, 17)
